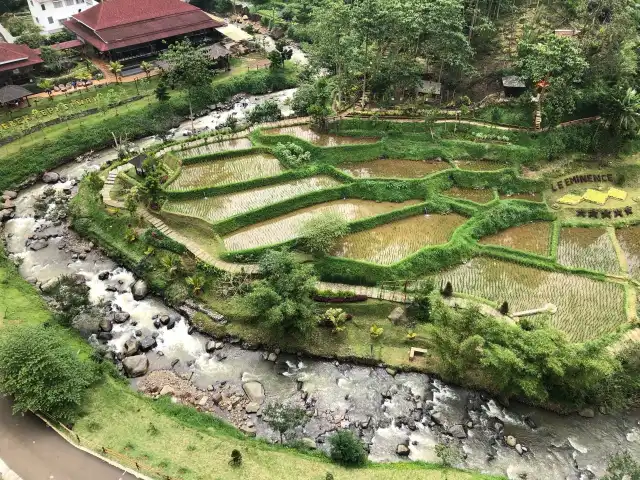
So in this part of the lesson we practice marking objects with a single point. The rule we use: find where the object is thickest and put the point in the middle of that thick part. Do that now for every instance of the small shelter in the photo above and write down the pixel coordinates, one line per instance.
(13, 95)
(219, 54)
(513, 85)
(138, 163)
(428, 89)
(566, 32)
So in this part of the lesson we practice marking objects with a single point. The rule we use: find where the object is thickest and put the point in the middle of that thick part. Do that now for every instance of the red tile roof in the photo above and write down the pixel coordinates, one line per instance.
(121, 23)
(67, 45)
(14, 56)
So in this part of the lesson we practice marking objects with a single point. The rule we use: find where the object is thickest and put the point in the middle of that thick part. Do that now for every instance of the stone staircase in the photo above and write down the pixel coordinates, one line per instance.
(109, 183)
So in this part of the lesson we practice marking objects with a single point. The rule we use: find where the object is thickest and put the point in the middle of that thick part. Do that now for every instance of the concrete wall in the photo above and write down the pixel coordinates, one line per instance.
(56, 10)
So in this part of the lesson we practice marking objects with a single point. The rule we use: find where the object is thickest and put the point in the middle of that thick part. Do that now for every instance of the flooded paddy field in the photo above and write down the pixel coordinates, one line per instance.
(474, 194)
(589, 248)
(390, 168)
(531, 237)
(235, 144)
(532, 197)
(629, 240)
(586, 308)
(390, 243)
(287, 227)
(220, 207)
(304, 132)
(479, 165)
(227, 170)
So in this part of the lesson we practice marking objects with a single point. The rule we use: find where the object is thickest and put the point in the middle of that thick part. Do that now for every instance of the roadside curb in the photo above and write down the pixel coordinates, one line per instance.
(86, 450)
(6, 473)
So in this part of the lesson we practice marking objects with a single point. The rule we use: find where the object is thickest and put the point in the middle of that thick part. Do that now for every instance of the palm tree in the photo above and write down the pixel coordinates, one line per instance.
(623, 113)
(146, 67)
(115, 68)
(47, 85)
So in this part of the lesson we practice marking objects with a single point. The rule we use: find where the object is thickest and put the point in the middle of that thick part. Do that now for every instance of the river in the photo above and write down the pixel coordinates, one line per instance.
(387, 410)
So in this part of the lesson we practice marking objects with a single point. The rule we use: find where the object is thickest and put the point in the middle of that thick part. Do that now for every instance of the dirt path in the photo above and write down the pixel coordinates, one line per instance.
(35, 452)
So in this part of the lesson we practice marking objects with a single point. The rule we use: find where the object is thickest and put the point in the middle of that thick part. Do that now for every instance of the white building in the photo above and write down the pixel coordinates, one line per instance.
(48, 14)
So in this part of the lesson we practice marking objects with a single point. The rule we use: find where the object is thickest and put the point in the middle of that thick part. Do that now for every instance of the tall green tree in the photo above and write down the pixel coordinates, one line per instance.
(621, 113)
(281, 300)
(42, 372)
(283, 418)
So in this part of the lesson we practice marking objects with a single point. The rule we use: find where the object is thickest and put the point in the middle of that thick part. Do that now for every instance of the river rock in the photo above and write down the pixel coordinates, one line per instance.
(519, 448)
(104, 275)
(203, 401)
(49, 284)
(511, 441)
(167, 390)
(6, 214)
(216, 397)
(171, 324)
(457, 431)
(211, 346)
(39, 245)
(136, 366)
(254, 391)
(398, 315)
(438, 418)
(130, 347)
(391, 371)
(105, 325)
(105, 336)
(9, 195)
(140, 290)
(121, 317)
(147, 343)
(530, 422)
(402, 450)
(157, 323)
(249, 430)
(50, 177)
(165, 319)
(252, 407)
(309, 443)
(272, 357)
(587, 413)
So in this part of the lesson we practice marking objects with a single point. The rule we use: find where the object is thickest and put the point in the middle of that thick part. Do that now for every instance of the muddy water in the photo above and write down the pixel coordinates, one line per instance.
(227, 170)
(389, 168)
(287, 227)
(473, 194)
(531, 237)
(225, 206)
(305, 132)
(386, 410)
(394, 241)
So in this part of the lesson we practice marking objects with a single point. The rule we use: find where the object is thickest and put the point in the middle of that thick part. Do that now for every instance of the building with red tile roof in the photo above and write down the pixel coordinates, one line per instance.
(16, 62)
(127, 29)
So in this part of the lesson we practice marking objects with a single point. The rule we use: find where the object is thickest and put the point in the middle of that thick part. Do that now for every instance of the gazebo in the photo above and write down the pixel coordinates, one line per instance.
(138, 163)
(13, 94)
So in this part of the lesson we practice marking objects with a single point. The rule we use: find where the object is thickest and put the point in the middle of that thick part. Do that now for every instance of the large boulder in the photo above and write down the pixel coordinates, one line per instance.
(9, 195)
(147, 343)
(130, 347)
(136, 366)
(309, 443)
(211, 346)
(121, 317)
(587, 413)
(50, 177)
(252, 407)
(458, 431)
(106, 325)
(402, 450)
(254, 391)
(87, 324)
(6, 214)
(39, 245)
(140, 289)
(398, 315)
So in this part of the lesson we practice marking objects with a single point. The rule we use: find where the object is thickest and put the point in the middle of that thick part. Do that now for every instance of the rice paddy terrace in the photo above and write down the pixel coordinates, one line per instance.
(457, 211)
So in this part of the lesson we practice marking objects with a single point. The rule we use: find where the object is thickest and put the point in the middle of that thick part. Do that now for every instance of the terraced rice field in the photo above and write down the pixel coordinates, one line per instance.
(305, 132)
(531, 237)
(475, 195)
(226, 170)
(389, 168)
(286, 227)
(479, 165)
(629, 240)
(589, 248)
(220, 207)
(390, 243)
(236, 144)
(532, 197)
(586, 308)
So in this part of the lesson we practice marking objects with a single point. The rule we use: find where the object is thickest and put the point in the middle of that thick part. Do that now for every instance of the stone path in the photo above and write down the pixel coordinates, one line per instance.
(108, 186)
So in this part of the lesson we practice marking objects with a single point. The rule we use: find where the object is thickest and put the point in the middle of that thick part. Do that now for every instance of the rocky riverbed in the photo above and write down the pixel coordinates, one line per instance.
(399, 416)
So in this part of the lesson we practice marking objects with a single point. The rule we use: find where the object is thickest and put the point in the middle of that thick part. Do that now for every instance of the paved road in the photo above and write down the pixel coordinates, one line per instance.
(35, 452)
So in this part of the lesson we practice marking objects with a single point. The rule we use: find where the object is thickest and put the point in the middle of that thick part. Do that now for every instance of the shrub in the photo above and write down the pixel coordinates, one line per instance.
(447, 291)
(420, 307)
(319, 234)
(236, 458)
(291, 154)
(42, 372)
(346, 449)
(268, 111)
(336, 318)
(71, 296)
(504, 308)
(282, 417)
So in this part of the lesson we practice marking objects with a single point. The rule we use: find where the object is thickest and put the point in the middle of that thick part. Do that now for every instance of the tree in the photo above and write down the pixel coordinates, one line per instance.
(152, 186)
(116, 69)
(346, 449)
(196, 282)
(622, 466)
(52, 60)
(146, 67)
(447, 291)
(42, 372)
(31, 37)
(267, 111)
(282, 417)
(419, 309)
(161, 92)
(292, 154)
(278, 56)
(47, 86)
(319, 234)
(70, 296)
(622, 113)
(189, 68)
(132, 199)
(504, 308)
(236, 458)
(281, 300)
